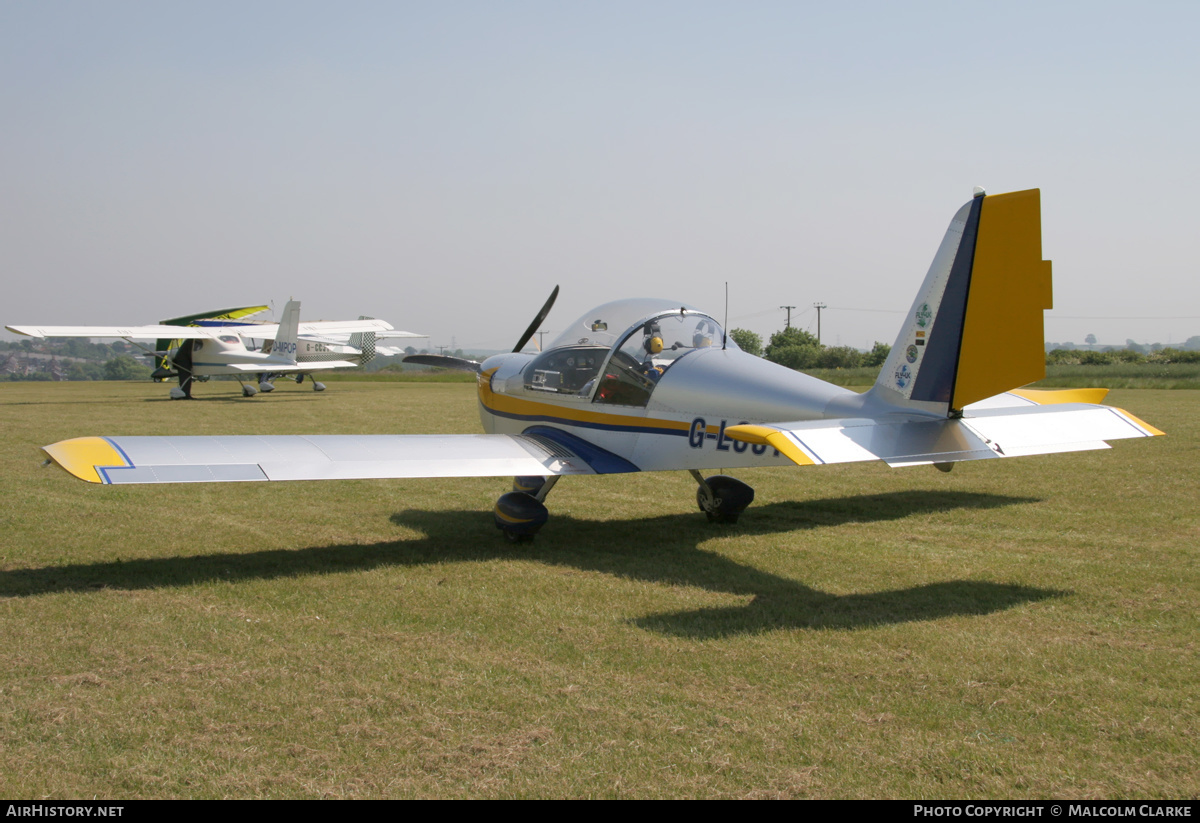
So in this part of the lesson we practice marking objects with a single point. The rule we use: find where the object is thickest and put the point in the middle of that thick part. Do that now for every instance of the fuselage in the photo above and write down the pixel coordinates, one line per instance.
(225, 354)
(228, 354)
(658, 393)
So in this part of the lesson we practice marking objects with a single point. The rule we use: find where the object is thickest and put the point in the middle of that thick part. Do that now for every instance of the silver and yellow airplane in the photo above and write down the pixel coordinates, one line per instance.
(196, 348)
(654, 385)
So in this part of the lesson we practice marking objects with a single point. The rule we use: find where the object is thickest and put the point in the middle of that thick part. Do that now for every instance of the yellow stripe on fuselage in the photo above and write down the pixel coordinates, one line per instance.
(83, 455)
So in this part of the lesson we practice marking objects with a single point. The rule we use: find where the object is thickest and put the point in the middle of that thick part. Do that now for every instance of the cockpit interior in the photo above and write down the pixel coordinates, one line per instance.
(617, 353)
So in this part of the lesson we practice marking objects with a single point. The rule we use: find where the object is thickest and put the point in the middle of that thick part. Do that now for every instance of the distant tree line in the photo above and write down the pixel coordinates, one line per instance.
(1088, 357)
(69, 358)
(800, 350)
(1090, 344)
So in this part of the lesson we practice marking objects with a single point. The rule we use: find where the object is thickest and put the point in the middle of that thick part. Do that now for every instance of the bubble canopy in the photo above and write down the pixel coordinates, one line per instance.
(617, 353)
(607, 324)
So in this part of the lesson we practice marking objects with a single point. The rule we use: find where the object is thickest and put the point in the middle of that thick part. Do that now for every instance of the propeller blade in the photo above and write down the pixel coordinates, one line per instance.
(537, 321)
(442, 361)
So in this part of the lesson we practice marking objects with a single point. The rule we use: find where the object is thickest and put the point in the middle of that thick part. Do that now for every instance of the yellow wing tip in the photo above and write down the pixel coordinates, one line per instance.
(83, 456)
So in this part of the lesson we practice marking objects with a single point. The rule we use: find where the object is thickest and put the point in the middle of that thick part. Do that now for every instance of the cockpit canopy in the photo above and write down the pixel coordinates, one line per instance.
(222, 341)
(617, 352)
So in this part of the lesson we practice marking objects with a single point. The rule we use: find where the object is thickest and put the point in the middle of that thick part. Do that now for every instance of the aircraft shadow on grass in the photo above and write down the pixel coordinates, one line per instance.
(286, 395)
(661, 549)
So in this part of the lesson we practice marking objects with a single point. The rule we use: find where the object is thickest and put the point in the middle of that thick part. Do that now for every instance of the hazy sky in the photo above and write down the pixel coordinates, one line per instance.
(443, 165)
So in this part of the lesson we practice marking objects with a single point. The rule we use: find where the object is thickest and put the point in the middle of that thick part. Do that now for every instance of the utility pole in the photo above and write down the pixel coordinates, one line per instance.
(818, 307)
(541, 339)
(789, 317)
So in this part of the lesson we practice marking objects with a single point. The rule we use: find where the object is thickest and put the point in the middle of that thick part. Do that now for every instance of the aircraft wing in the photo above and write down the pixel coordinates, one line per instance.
(316, 328)
(136, 332)
(397, 333)
(311, 457)
(982, 433)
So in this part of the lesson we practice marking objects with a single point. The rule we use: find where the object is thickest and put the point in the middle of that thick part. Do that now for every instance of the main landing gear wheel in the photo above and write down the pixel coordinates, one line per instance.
(722, 498)
(520, 513)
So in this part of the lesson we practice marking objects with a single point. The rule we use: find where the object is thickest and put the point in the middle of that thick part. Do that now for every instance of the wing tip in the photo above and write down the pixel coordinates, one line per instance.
(83, 457)
(1151, 431)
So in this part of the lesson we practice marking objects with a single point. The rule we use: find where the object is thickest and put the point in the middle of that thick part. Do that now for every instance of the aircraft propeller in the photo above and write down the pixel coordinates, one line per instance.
(537, 321)
(443, 361)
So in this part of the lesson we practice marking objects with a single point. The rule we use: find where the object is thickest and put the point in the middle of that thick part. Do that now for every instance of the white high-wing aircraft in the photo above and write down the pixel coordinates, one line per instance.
(218, 346)
(654, 385)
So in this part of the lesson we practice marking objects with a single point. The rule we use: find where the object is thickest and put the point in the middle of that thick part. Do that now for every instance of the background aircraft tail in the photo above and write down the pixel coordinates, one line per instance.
(975, 328)
(289, 331)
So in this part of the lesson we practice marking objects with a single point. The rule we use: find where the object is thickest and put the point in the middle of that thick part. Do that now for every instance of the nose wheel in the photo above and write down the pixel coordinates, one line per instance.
(722, 498)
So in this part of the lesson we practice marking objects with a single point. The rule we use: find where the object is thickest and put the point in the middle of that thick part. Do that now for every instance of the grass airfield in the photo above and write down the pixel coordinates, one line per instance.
(1013, 629)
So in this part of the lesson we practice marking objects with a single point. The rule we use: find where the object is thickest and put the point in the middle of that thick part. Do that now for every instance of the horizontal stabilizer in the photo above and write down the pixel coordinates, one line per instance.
(290, 368)
(1007, 431)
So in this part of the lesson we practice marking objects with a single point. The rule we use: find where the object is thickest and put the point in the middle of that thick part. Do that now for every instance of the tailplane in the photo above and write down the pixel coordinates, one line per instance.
(975, 329)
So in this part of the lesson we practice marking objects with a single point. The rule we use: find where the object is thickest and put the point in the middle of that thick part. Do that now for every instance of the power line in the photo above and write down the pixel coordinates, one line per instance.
(1082, 317)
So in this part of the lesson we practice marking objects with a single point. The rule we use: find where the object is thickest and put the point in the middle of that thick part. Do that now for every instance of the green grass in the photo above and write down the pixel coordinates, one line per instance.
(1021, 628)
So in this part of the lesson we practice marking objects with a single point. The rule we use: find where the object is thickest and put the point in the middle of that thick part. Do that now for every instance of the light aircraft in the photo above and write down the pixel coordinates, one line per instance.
(196, 347)
(654, 385)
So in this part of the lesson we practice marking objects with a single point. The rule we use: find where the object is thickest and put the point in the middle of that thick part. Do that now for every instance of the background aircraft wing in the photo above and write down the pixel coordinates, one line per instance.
(322, 330)
(345, 326)
(983, 433)
(311, 457)
(136, 332)
(397, 333)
